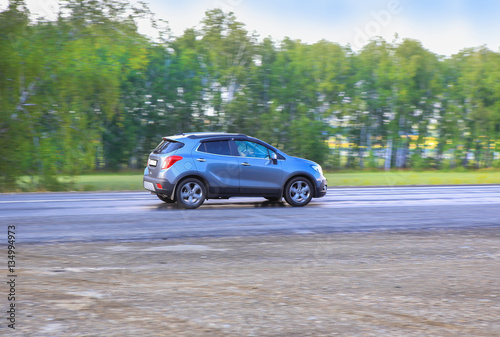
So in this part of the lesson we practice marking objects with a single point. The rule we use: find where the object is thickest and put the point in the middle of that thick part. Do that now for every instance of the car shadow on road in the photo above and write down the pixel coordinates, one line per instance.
(219, 204)
(224, 204)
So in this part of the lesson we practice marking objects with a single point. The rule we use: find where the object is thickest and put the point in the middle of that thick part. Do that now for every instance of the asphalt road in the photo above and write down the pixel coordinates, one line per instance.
(86, 217)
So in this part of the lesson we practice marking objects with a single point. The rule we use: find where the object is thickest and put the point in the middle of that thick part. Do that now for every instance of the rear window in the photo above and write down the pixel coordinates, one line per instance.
(216, 147)
(167, 146)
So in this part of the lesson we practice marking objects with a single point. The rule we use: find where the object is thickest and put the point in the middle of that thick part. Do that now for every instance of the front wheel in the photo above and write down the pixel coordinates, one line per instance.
(298, 192)
(191, 193)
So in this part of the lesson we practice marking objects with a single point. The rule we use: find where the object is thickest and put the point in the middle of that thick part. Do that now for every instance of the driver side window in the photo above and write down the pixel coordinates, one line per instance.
(252, 150)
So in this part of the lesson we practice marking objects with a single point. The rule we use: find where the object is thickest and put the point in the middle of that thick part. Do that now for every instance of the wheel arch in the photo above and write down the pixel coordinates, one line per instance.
(300, 175)
(196, 176)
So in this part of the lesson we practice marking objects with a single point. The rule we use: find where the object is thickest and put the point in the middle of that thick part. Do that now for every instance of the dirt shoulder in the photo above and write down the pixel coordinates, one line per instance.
(440, 283)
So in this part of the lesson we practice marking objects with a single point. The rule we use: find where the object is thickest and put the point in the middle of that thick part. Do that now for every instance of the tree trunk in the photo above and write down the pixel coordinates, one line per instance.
(361, 148)
(388, 154)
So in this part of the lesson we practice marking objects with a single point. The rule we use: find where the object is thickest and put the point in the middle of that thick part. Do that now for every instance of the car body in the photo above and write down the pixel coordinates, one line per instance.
(190, 168)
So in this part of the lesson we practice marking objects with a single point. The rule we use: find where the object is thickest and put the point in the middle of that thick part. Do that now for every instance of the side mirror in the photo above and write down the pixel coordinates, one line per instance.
(274, 158)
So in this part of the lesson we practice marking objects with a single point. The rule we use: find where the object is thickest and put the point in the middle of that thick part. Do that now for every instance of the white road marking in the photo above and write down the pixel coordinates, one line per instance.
(336, 197)
(69, 200)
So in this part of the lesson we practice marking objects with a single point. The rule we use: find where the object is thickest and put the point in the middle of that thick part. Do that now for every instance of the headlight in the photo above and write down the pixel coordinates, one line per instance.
(318, 169)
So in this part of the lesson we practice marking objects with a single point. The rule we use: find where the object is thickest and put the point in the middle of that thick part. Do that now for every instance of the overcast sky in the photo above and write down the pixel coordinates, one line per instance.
(443, 26)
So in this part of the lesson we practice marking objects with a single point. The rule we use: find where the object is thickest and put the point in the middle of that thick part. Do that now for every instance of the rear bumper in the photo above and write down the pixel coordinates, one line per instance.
(158, 186)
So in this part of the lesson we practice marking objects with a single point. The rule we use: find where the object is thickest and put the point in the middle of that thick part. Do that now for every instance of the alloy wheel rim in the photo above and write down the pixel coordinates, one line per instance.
(191, 193)
(300, 191)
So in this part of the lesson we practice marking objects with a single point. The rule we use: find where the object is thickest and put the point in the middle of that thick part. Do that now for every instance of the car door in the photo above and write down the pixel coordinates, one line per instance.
(214, 161)
(259, 174)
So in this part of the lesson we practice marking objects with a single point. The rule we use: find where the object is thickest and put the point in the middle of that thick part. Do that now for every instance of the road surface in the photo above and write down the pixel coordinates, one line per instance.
(388, 262)
(86, 217)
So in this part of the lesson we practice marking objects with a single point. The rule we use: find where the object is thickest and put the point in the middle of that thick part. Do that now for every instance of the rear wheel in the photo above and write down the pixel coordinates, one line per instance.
(191, 193)
(298, 192)
(165, 199)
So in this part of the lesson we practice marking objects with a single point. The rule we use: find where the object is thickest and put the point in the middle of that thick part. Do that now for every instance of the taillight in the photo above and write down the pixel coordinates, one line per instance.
(169, 161)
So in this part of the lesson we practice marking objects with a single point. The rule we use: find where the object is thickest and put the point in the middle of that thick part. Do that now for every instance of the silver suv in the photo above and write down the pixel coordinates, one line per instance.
(190, 168)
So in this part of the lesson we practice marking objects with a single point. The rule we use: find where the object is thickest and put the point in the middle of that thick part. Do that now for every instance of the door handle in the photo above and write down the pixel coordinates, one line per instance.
(245, 164)
(201, 159)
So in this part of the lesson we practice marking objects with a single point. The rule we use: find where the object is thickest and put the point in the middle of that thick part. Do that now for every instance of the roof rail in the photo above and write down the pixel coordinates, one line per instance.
(211, 134)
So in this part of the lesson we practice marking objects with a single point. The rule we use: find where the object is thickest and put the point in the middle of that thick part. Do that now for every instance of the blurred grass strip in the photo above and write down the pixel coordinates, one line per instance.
(392, 178)
(109, 182)
(399, 178)
(131, 181)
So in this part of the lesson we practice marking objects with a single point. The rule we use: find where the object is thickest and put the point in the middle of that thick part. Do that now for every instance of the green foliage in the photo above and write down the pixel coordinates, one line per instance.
(308, 139)
(88, 91)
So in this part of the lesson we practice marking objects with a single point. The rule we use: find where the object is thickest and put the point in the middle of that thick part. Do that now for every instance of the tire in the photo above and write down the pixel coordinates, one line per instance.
(298, 192)
(191, 193)
(273, 199)
(165, 199)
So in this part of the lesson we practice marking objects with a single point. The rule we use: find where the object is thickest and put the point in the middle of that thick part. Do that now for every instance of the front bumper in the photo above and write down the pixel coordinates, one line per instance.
(321, 187)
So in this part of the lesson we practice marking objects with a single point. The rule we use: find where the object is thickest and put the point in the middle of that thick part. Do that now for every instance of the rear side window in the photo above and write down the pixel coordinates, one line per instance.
(167, 146)
(216, 147)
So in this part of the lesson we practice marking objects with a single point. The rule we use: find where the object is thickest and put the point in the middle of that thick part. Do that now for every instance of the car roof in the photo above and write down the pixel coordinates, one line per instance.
(201, 135)
(217, 136)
